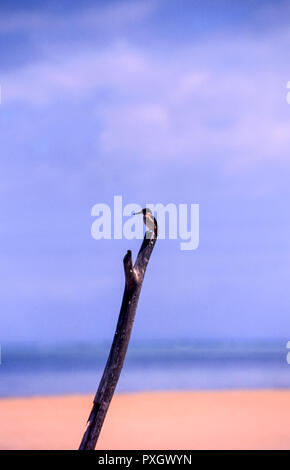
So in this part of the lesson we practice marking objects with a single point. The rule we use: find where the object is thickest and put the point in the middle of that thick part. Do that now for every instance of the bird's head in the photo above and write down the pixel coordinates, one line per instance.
(144, 211)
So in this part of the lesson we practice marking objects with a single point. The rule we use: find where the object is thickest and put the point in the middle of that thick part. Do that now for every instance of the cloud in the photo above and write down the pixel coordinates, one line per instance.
(222, 99)
(110, 16)
(75, 76)
(233, 114)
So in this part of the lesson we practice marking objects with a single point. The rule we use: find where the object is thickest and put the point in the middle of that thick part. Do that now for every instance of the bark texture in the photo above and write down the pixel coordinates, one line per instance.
(134, 276)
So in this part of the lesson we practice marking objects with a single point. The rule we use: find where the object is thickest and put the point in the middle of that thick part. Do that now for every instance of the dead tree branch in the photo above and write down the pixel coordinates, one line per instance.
(134, 276)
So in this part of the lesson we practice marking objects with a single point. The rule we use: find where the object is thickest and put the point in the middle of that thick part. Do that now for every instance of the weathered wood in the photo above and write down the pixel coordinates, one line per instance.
(134, 276)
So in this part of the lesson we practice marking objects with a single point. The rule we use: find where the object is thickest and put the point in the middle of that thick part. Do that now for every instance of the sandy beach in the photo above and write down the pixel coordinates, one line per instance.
(159, 420)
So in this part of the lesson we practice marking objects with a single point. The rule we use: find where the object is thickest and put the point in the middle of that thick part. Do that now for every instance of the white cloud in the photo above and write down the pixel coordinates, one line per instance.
(222, 99)
(117, 68)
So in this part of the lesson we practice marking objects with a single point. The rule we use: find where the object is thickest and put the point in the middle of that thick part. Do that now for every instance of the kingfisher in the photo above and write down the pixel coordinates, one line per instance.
(149, 220)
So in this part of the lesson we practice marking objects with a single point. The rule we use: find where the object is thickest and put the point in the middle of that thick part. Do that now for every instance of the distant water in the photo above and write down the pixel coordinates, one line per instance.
(28, 370)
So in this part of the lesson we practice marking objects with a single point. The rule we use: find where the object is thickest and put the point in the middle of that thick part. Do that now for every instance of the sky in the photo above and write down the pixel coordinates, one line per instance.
(159, 102)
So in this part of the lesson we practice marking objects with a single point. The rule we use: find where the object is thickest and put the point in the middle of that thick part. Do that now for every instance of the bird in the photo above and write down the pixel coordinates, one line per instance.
(149, 220)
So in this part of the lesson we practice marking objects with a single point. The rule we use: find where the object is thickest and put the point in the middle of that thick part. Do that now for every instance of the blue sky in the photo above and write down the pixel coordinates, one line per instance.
(180, 101)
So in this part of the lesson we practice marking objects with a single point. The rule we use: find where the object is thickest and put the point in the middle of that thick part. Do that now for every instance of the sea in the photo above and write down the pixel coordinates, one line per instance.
(57, 369)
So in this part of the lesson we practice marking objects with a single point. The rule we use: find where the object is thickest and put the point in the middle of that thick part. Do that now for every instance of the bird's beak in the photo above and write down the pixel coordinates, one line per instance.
(135, 213)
